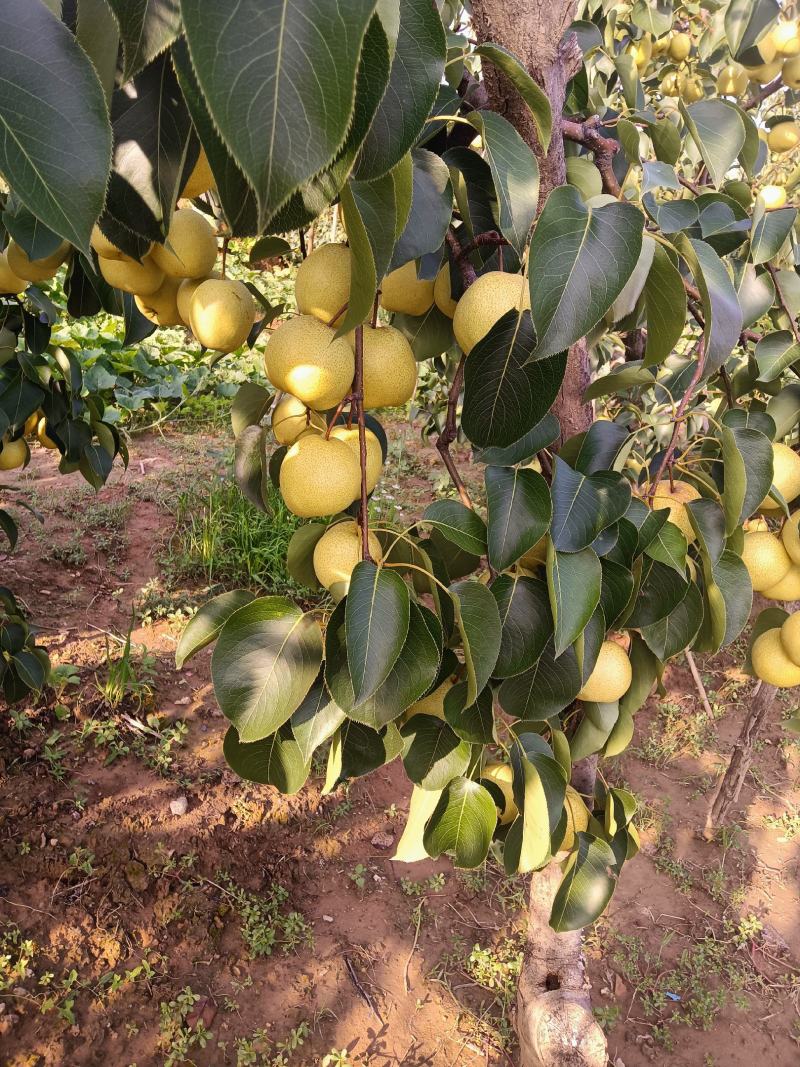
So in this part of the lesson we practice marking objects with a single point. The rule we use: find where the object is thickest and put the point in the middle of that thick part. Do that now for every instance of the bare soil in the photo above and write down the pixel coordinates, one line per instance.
(696, 964)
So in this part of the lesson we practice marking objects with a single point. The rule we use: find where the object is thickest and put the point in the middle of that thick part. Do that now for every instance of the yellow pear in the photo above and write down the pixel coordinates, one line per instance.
(536, 556)
(788, 588)
(322, 285)
(732, 80)
(785, 476)
(41, 433)
(374, 453)
(390, 370)
(680, 45)
(190, 249)
(641, 50)
(161, 307)
(790, 73)
(221, 314)
(9, 281)
(577, 818)
(432, 704)
(772, 196)
(771, 663)
(765, 72)
(291, 417)
(13, 454)
(767, 48)
(611, 676)
(690, 88)
(790, 535)
(442, 290)
(130, 276)
(186, 290)
(502, 775)
(200, 180)
(319, 477)
(106, 248)
(669, 84)
(790, 637)
(402, 291)
(336, 554)
(676, 498)
(786, 38)
(488, 298)
(303, 357)
(35, 270)
(766, 559)
(783, 137)
(32, 422)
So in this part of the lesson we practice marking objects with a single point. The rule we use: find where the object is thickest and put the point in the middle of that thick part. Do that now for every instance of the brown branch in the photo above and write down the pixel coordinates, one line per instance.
(358, 401)
(468, 274)
(450, 432)
(761, 95)
(604, 148)
(302, 235)
(682, 406)
(341, 311)
(225, 241)
(491, 237)
(346, 399)
(773, 273)
(694, 296)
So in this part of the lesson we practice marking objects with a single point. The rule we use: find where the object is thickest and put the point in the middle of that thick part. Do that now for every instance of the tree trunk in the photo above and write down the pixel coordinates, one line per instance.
(742, 756)
(555, 1024)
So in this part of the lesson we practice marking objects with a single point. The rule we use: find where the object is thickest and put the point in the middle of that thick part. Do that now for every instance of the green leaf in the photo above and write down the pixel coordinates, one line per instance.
(363, 749)
(581, 508)
(718, 131)
(55, 149)
(723, 316)
(478, 622)
(431, 210)
(266, 659)
(287, 119)
(249, 406)
(774, 353)
(377, 611)
(587, 886)
(594, 729)
(770, 232)
(747, 462)
(745, 22)
(580, 260)
(669, 547)
(653, 16)
(665, 306)
(317, 718)
(729, 598)
(274, 760)
(756, 292)
(515, 173)
(662, 589)
(545, 689)
(646, 669)
(433, 754)
(458, 524)
(619, 381)
(519, 510)
(410, 847)
(147, 28)
(674, 633)
(539, 790)
(9, 528)
(526, 622)
(206, 623)
(462, 823)
(506, 391)
(97, 33)
(536, 100)
(474, 723)
(615, 592)
(416, 72)
(300, 554)
(573, 579)
(249, 451)
(544, 433)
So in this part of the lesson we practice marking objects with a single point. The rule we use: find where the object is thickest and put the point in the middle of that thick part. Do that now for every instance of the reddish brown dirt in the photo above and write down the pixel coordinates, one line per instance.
(155, 885)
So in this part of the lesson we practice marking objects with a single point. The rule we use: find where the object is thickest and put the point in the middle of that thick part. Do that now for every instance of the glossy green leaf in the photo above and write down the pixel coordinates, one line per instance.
(723, 316)
(377, 616)
(433, 754)
(205, 625)
(267, 657)
(587, 886)
(475, 722)
(594, 729)
(669, 547)
(770, 232)
(545, 689)
(539, 790)
(55, 149)
(573, 580)
(756, 292)
(619, 381)
(478, 621)
(519, 510)
(457, 523)
(515, 173)
(747, 461)
(146, 28)
(544, 433)
(582, 507)
(674, 633)
(746, 21)
(526, 622)
(357, 750)
(274, 760)
(645, 672)
(728, 600)
(718, 131)
(665, 306)
(315, 720)
(774, 353)
(536, 100)
(462, 823)
(431, 209)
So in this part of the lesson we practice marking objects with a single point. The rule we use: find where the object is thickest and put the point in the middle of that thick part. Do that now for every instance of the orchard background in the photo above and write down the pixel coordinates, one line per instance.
(398, 455)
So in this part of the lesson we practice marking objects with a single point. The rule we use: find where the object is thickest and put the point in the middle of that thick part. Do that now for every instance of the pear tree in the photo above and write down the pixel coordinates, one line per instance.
(581, 213)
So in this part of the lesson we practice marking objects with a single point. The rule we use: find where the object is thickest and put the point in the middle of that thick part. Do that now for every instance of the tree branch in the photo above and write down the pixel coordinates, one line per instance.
(782, 301)
(468, 274)
(490, 237)
(450, 432)
(682, 406)
(761, 95)
(604, 148)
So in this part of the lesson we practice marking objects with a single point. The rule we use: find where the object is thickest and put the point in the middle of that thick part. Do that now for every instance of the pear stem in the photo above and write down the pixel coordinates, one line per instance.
(358, 403)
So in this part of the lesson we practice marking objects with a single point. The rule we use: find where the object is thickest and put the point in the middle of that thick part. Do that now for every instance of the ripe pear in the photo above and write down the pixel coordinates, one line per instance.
(32, 422)
(319, 477)
(669, 84)
(291, 417)
(536, 556)
(691, 88)
(790, 535)
(186, 290)
(9, 281)
(790, 72)
(783, 137)
(501, 775)
(200, 180)
(106, 248)
(786, 38)
(641, 50)
(322, 285)
(13, 454)
(303, 357)
(771, 663)
(785, 476)
(390, 370)
(772, 196)
(190, 249)
(221, 314)
(402, 291)
(442, 289)
(766, 559)
(432, 704)
(130, 276)
(611, 677)
(161, 307)
(488, 298)
(732, 80)
(336, 554)
(41, 433)
(676, 497)
(765, 72)
(680, 45)
(374, 453)
(790, 637)
(35, 270)
(767, 48)
(788, 588)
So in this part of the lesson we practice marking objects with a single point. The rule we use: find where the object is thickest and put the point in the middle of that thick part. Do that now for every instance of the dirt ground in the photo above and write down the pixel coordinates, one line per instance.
(155, 910)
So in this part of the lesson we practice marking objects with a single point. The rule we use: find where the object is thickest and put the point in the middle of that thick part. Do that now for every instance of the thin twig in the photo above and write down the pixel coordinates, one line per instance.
(698, 681)
(225, 242)
(773, 273)
(682, 406)
(302, 236)
(406, 984)
(761, 95)
(450, 432)
(490, 237)
(361, 990)
(341, 311)
(348, 399)
(358, 403)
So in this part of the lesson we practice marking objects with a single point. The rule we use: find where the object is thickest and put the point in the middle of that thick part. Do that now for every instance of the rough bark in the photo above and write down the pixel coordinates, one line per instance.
(555, 1024)
(730, 787)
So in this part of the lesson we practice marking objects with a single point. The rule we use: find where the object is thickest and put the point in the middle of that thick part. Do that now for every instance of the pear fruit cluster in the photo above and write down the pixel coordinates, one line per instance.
(775, 654)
